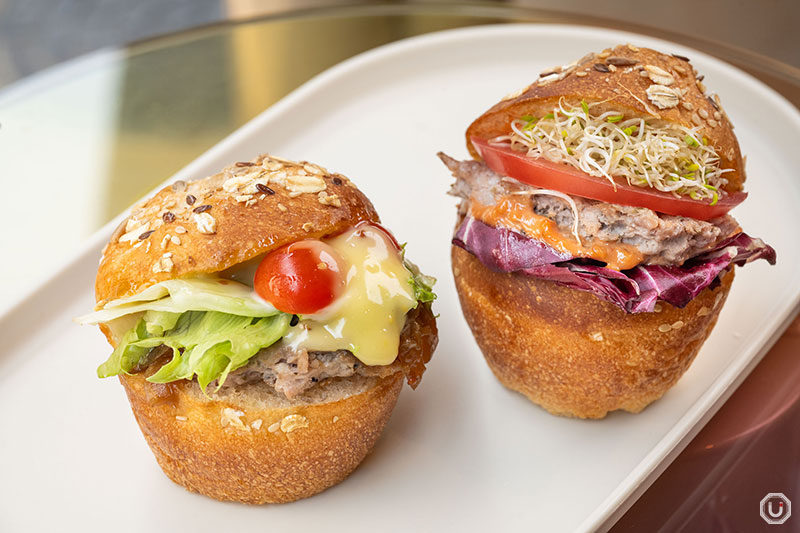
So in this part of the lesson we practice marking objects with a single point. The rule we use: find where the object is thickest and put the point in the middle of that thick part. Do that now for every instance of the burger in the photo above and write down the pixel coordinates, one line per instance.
(263, 323)
(593, 249)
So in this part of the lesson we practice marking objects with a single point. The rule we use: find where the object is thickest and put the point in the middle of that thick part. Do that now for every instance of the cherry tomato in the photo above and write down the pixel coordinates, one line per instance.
(561, 177)
(301, 278)
(389, 235)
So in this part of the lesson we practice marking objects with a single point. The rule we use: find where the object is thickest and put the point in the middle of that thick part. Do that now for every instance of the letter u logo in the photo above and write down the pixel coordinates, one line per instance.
(771, 512)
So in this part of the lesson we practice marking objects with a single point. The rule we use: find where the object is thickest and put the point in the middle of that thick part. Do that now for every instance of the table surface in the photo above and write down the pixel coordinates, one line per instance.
(79, 143)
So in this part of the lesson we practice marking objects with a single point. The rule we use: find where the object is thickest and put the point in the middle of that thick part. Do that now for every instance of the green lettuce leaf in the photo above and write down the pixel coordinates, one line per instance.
(126, 355)
(422, 284)
(206, 344)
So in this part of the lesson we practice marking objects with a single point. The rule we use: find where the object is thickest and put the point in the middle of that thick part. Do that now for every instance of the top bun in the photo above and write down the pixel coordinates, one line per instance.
(637, 81)
(214, 223)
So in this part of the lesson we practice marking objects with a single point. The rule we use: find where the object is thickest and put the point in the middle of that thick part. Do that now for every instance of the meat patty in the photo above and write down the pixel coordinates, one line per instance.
(661, 239)
(293, 371)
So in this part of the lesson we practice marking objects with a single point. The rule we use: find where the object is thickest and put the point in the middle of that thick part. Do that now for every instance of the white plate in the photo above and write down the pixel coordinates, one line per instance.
(461, 452)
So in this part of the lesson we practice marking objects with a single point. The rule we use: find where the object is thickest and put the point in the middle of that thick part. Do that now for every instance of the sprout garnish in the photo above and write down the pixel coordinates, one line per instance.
(645, 152)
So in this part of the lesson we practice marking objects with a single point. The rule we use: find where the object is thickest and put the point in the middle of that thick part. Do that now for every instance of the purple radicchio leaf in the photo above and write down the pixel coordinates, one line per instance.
(503, 250)
(634, 291)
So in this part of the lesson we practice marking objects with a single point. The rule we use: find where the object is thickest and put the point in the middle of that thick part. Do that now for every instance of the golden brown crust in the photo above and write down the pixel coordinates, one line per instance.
(418, 341)
(572, 353)
(264, 455)
(254, 208)
(625, 88)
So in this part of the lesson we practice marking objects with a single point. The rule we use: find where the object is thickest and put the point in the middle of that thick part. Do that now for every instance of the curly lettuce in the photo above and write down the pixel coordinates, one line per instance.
(420, 283)
(206, 344)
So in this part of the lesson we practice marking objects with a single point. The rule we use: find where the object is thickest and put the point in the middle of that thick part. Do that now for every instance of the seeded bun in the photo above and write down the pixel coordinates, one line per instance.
(246, 210)
(573, 353)
(637, 81)
(248, 443)
(255, 447)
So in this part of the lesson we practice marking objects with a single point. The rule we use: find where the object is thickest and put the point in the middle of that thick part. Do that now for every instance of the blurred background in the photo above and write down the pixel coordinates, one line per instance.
(35, 34)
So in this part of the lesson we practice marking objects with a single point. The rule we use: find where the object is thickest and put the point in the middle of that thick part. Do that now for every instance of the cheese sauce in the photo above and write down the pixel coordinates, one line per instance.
(370, 314)
(509, 212)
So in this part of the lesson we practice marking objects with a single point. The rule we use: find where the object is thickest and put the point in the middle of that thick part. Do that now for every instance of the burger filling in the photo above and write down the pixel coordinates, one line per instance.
(292, 371)
(629, 256)
(621, 236)
(302, 314)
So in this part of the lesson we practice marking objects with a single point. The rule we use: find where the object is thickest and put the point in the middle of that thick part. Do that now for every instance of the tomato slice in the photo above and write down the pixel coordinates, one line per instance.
(300, 278)
(561, 177)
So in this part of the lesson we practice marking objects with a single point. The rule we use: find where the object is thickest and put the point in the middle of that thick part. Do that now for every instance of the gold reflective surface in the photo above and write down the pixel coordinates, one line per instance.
(178, 98)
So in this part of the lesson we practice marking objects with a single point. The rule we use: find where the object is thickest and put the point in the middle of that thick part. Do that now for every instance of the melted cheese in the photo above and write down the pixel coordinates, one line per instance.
(369, 315)
(516, 215)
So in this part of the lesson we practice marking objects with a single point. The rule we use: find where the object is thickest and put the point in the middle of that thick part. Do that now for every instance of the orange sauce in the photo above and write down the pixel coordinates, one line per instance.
(518, 215)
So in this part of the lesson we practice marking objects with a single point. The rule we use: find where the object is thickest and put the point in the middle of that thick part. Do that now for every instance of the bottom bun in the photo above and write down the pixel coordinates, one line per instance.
(572, 353)
(253, 446)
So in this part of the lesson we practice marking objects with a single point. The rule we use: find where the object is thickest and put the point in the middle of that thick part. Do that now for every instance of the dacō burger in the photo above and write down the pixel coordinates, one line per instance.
(594, 249)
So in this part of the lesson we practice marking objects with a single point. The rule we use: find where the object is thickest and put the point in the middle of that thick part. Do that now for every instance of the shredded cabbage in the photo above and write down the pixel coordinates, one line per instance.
(647, 153)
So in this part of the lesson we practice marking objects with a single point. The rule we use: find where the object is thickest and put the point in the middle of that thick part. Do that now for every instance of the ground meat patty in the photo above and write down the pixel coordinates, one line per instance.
(662, 239)
(292, 371)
